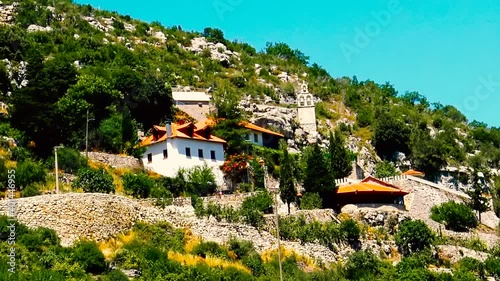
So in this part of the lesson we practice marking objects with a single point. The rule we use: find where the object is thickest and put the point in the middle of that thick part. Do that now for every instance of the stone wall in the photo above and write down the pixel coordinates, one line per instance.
(228, 200)
(113, 160)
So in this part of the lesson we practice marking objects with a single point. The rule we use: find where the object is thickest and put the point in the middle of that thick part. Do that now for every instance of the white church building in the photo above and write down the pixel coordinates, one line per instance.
(177, 146)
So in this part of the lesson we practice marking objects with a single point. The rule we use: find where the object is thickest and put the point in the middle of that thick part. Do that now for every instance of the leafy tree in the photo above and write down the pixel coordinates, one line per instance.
(317, 176)
(202, 180)
(283, 51)
(478, 201)
(455, 216)
(231, 131)
(288, 192)
(496, 196)
(118, 134)
(226, 99)
(340, 162)
(214, 35)
(33, 105)
(350, 229)
(91, 180)
(29, 172)
(91, 93)
(413, 236)
(138, 185)
(385, 169)
(390, 135)
(310, 201)
(427, 154)
(69, 160)
(151, 102)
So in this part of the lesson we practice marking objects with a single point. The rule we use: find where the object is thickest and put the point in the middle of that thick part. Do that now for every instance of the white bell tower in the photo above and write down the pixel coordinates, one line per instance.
(306, 110)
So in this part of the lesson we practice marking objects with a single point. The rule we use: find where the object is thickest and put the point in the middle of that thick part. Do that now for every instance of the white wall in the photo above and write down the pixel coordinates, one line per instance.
(177, 159)
(252, 138)
(307, 116)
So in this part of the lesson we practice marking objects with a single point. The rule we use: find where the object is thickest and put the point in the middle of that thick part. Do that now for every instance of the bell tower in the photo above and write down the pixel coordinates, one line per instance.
(306, 109)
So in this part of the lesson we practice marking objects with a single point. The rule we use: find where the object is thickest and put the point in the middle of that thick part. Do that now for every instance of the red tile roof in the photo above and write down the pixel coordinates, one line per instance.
(248, 125)
(186, 131)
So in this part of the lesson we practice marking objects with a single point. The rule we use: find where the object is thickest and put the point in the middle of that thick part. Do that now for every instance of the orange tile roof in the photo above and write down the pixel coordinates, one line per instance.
(181, 131)
(413, 173)
(367, 185)
(248, 125)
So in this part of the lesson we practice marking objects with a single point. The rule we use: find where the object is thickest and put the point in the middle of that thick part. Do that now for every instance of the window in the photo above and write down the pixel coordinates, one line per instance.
(188, 152)
(212, 154)
(150, 157)
(200, 153)
(165, 154)
(247, 136)
(255, 138)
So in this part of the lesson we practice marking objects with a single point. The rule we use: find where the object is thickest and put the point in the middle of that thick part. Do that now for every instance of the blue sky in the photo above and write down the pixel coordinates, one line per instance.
(447, 50)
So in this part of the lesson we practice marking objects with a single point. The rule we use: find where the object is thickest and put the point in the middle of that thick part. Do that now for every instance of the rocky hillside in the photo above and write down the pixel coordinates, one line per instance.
(131, 65)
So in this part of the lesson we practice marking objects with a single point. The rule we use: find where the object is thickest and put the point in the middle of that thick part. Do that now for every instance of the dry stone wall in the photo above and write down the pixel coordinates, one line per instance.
(118, 161)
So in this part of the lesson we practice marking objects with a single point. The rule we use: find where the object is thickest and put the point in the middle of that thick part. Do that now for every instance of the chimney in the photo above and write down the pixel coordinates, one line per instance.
(168, 126)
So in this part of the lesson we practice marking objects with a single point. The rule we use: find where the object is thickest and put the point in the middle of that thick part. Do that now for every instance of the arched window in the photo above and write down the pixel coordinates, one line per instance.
(301, 99)
(309, 100)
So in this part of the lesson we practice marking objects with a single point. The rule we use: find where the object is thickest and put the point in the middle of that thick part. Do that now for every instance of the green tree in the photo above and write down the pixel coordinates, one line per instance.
(288, 192)
(385, 169)
(413, 236)
(202, 180)
(310, 201)
(317, 176)
(390, 136)
(340, 161)
(427, 154)
(478, 201)
(33, 105)
(29, 172)
(69, 160)
(226, 99)
(214, 35)
(496, 196)
(91, 180)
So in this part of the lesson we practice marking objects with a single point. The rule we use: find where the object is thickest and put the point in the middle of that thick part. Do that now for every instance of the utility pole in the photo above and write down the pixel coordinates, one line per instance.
(275, 191)
(87, 135)
(57, 169)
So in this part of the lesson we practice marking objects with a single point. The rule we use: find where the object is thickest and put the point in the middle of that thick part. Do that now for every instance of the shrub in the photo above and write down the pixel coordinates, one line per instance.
(211, 249)
(162, 196)
(413, 236)
(261, 201)
(91, 180)
(252, 217)
(115, 275)
(311, 201)
(362, 265)
(255, 263)
(202, 180)
(31, 190)
(385, 169)
(88, 255)
(138, 185)
(492, 266)
(20, 154)
(69, 160)
(240, 248)
(350, 230)
(455, 216)
(468, 264)
(30, 172)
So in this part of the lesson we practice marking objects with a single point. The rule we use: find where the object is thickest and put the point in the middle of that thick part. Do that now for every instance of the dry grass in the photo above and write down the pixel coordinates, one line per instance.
(111, 246)
(191, 260)
(271, 254)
